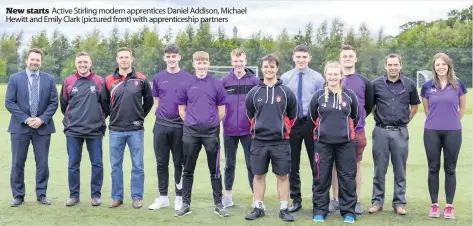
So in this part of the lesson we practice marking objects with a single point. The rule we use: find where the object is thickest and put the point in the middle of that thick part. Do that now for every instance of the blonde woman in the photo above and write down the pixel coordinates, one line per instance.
(444, 100)
(334, 111)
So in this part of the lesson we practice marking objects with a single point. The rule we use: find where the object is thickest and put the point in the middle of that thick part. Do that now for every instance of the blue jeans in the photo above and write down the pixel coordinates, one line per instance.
(74, 150)
(135, 141)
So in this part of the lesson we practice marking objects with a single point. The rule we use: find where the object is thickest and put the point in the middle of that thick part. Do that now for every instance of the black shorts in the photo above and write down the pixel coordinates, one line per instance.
(280, 156)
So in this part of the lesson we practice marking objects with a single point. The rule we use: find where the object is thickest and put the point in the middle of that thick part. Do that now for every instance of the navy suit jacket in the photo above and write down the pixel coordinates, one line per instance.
(17, 102)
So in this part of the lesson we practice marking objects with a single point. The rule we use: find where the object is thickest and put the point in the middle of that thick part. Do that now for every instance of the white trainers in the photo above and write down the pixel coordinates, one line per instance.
(161, 202)
(227, 201)
(178, 203)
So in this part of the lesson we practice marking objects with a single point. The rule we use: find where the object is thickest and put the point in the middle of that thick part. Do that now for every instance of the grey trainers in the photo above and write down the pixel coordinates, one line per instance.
(185, 209)
(358, 209)
(220, 210)
(333, 206)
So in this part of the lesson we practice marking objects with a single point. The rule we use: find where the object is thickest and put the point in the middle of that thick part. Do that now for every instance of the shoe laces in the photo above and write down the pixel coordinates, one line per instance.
(449, 209)
(435, 208)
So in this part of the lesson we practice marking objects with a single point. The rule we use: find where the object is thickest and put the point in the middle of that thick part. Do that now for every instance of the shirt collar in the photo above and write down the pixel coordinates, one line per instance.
(91, 75)
(305, 71)
(29, 72)
(401, 79)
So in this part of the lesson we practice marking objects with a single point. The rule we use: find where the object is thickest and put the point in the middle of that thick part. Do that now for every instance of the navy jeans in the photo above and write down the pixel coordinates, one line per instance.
(74, 150)
(135, 141)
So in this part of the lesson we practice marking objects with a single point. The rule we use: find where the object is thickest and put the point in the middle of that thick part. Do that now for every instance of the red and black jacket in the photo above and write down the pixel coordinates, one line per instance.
(82, 106)
(128, 100)
(272, 112)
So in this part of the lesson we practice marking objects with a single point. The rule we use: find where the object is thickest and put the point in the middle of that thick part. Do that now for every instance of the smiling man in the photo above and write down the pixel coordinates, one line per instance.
(84, 120)
(128, 100)
(167, 129)
(271, 108)
(201, 101)
(32, 100)
(236, 126)
(304, 82)
(396, 101)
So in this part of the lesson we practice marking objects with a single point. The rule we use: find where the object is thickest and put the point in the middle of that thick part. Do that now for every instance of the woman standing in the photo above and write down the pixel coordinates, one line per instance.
(334, 111)
(444, 103)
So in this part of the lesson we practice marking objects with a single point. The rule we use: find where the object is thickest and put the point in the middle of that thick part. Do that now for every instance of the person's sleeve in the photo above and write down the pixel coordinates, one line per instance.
(155, 87)
(423, 91)
(147, 98)
(11, 102)
(355, 114)
(249, 105)
(463, 89)
(64, 97)
(413, 95)
(369, 96)
(182, 94)
(221, 94)
(291, 107)
(105, 96)
(313, 107)
(320, 81)
(52, 104)
(284, 78)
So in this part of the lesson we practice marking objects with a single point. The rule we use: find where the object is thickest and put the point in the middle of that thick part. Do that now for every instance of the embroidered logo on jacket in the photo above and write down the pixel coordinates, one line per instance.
(278, 99)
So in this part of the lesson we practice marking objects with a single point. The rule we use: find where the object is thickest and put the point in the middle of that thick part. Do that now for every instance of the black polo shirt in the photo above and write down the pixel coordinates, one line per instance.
(393, 100)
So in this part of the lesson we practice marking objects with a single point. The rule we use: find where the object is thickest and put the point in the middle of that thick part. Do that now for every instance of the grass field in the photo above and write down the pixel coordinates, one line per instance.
(31, 213)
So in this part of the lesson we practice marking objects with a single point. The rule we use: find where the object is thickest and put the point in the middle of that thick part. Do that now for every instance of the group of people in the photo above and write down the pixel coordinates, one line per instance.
(270, 117)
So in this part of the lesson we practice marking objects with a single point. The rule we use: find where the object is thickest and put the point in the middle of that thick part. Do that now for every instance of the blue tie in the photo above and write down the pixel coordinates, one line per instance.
(299, 96)
(34, 95)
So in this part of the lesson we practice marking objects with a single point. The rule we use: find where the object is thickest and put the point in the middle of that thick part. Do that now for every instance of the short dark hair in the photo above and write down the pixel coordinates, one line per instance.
(393, 55)
(270, 58)
(171, 48)
(302, 48)
(347, 47)
(34, 50)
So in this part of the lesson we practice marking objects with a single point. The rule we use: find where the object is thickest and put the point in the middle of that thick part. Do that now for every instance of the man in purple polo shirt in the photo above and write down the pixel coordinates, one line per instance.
(201, 102)
(444, 103)
(167, 130)
(364, 92)
(236, 125)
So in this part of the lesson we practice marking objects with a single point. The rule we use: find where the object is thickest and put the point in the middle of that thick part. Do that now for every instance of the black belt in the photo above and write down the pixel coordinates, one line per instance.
(387, 127)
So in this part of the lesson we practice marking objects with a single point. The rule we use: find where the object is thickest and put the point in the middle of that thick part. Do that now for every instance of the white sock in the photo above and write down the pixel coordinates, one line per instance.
(283, 205)
(163, 197)
(259, 204)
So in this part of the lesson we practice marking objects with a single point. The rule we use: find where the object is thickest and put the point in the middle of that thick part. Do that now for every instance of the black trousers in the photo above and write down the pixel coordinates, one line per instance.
(19, 146)
(192, 147)
(230, 144)
(450, 141)
(344, 156)
(168, 140)
(301, 131)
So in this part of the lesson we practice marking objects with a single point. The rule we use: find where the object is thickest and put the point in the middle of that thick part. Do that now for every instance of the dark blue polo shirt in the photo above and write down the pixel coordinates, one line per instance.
(393, 100)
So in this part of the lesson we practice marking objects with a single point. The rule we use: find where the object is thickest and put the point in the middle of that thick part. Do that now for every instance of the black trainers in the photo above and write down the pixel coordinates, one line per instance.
(255, 213)
(285, 215)
(220, 210)
(185, 209)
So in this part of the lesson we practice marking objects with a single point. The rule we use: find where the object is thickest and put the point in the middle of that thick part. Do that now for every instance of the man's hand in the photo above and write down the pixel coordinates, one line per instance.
(35, 123)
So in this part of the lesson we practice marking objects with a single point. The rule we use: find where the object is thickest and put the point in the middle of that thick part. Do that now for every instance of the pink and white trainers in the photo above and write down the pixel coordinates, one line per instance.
(449, 213)
(434, 211)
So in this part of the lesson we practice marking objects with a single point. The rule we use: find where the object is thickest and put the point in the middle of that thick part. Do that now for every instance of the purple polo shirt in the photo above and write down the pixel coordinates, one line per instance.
(357, 85)
(165, 87)
(202, 98)
(443, 105)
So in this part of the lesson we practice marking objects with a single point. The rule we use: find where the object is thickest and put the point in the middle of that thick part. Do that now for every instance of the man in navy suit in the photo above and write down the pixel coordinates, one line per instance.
(32, 100)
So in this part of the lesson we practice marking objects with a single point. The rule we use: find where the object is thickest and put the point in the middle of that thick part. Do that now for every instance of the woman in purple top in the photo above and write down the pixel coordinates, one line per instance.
(444, 103)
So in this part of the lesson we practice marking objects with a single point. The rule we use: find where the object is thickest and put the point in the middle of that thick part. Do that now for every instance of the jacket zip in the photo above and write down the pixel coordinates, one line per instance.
(238, 108)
